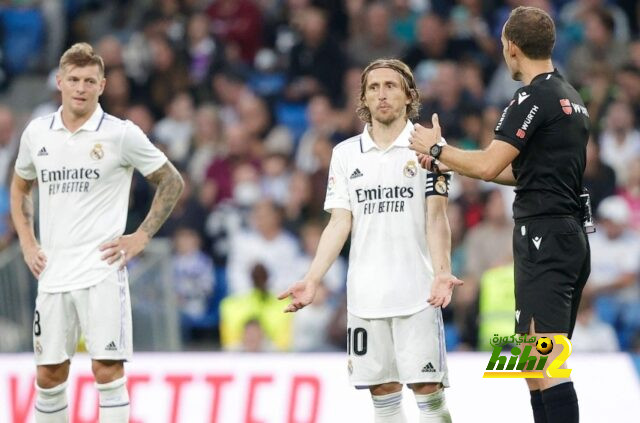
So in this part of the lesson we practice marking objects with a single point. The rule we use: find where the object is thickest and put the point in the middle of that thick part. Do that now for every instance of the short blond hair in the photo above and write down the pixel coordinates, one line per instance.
(81, 55)
(408, 84)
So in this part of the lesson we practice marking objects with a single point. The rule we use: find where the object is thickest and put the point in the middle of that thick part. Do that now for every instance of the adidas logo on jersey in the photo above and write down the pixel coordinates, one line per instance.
(111, 347)
(356, 174)
(428, 368)
(43, 152)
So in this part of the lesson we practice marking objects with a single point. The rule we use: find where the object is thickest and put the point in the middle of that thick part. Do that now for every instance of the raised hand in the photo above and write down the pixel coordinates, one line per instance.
(421, 138)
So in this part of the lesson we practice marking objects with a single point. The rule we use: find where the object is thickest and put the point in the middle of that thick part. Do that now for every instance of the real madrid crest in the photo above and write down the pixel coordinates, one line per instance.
(97, 152)
(441, 185)
(410, 169)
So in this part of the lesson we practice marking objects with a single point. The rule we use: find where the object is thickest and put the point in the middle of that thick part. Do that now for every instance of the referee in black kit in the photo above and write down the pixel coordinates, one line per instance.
(540, 147)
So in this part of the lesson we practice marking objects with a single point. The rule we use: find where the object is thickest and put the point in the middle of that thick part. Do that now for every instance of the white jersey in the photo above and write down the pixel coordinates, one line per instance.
(390, 272)
(84, 180)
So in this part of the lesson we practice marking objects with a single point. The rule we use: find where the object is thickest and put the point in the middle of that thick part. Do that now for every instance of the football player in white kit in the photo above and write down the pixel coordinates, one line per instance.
(399, 263)
(83, 160)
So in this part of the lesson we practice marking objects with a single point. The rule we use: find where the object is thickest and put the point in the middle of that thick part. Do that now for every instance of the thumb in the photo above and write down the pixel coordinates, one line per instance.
(284, 294)
(436, 126)
(457, 282)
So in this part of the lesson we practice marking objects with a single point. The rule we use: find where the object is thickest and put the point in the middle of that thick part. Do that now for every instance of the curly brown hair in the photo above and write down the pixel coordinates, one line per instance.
(408, 84)
(81, 55)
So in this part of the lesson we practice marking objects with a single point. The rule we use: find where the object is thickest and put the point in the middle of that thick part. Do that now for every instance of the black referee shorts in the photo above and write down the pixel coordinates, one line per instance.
(552, 264)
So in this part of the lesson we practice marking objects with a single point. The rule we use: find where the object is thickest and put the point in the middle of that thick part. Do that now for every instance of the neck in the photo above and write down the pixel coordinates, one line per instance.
(72, 121)
(384, 135)
(533, 68)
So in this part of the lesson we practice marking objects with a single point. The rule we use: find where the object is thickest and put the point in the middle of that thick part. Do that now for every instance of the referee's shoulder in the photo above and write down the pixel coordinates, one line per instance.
(348, 144)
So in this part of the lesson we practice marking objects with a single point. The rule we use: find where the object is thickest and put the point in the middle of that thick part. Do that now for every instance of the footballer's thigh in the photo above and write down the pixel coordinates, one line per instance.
(371, 358)
(55, 328)
(420, 349)
(104, 311)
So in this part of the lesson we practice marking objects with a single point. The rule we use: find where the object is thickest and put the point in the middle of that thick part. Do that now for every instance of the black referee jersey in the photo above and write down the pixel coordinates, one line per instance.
(548, 122)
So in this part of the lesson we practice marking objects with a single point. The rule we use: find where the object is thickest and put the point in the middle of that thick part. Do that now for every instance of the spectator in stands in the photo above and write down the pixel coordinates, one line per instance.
(316, 63)
(432, 43)
(600, 46)
(188, 212)
(310, 327)
(8, 144)
(238, 24)
(404, 19)
(168, 76)
(631, 193)
(218, 184)
(446, 96)
(335, 279)
(204, 54)
(193, 277)
(206, 142)
(110, 49)
(321, 119)
(175, 130)
(258, 303)
(620, 140)
(254, 340)
(592, 334)
(599, 178)
(298, 208)
(628, 81)
(615, 266)
(574, 14)
(267, 243)
(117, 93)
(375, 39)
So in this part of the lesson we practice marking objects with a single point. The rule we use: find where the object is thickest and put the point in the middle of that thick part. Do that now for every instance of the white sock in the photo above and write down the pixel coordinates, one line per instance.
(388, 408)
(114, 401)
(433, 408)
(51, 404)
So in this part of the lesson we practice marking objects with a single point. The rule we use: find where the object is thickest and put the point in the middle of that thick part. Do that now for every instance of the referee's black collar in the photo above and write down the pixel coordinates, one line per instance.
(546, 75)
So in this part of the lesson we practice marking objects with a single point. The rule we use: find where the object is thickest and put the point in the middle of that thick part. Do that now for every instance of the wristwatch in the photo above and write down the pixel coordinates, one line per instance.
(436, 149)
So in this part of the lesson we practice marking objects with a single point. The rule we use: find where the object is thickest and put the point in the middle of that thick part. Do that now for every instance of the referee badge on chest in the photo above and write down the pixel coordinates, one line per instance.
(410, 169)
(96, 152)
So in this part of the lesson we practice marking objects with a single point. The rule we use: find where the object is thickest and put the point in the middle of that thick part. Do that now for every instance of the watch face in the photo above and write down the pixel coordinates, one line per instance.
(435, 150)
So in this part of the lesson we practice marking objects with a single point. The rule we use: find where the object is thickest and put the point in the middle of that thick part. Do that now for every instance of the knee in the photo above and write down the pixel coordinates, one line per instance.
(385, 388)
(425, 388)
(50, 376)
(106, 371)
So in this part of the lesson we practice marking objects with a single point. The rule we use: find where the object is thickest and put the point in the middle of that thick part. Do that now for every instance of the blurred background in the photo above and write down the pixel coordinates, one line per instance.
(248, 98)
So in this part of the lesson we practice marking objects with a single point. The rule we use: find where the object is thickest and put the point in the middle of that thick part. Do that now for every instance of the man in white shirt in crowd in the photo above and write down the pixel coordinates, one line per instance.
(83, 160)
(399, 272)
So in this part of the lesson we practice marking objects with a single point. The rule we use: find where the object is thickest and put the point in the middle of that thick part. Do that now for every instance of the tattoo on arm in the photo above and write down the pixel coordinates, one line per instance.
(169, 187)
(26, 206)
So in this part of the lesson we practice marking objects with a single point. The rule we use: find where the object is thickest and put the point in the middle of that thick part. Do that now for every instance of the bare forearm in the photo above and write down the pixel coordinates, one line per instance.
(22, 212)
(468, 163)
(331, 242)
(506, 177)
(169, 187)
(439, 242)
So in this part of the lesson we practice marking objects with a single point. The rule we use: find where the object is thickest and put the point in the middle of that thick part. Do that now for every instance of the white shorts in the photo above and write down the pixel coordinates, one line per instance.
(406, 349)
(102, 313)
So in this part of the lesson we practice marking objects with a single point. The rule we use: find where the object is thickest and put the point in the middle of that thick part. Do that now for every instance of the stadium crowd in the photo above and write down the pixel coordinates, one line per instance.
(249, 97)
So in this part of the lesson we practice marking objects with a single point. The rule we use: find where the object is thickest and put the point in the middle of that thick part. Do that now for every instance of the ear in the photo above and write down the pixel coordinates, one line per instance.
(58, 81)
(102, 85)
(512, 48)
